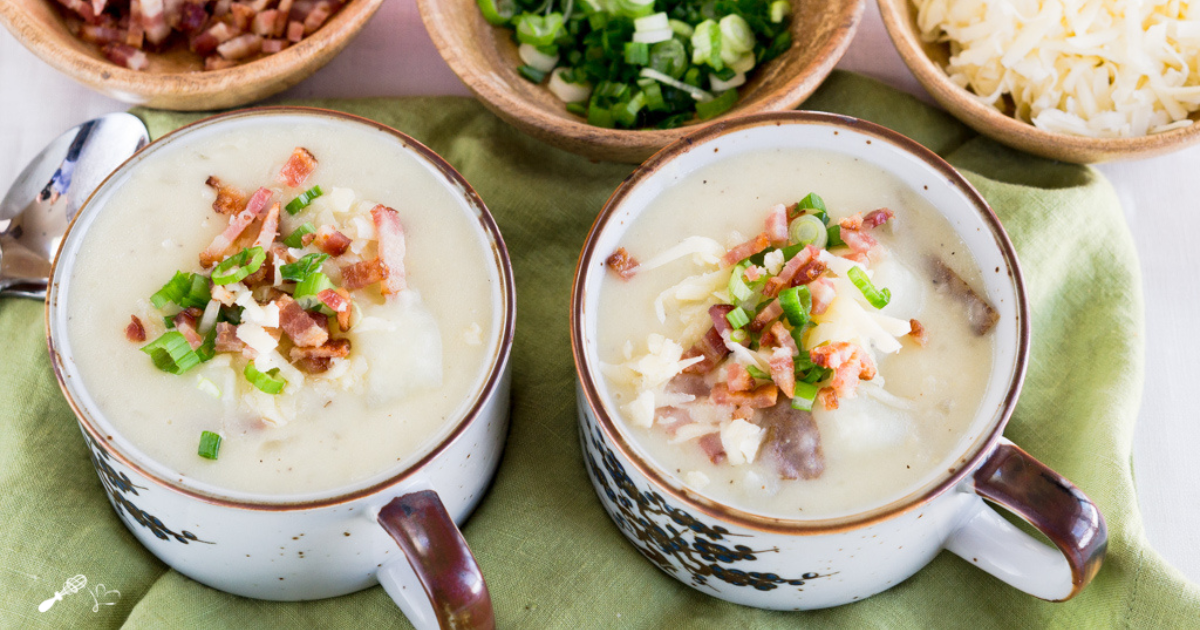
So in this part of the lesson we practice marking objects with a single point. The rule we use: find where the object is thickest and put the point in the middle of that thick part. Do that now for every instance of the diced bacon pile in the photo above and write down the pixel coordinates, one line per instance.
(224, 33)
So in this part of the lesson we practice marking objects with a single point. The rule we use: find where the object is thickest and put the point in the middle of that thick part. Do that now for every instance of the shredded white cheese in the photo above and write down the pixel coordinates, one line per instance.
(1097, 68)
(741, 440)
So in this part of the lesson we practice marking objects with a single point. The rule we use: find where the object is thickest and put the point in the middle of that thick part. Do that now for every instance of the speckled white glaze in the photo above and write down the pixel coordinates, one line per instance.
(796, 564)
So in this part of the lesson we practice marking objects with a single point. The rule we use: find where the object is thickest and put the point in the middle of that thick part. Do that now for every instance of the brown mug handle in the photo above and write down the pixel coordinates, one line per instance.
(1014, 480)
(453, 592)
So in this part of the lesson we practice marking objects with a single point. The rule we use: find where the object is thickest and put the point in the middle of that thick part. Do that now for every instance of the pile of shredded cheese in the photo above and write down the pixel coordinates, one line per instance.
(1097, 68)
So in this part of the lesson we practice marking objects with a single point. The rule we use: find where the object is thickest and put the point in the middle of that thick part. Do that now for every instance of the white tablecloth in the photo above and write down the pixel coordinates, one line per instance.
(394, 56)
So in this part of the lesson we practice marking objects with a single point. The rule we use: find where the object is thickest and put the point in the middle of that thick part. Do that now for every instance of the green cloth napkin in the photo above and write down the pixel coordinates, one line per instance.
(550, 554)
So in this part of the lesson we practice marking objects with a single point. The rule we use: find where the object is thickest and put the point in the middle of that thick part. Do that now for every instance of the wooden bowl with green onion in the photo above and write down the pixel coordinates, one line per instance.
(485, 57)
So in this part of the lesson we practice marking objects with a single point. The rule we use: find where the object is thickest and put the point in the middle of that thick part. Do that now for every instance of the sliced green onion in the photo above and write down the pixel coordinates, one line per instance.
(299, 270)
(210, 445)
(757, 373)
(779, 10)
(681, 29)
(238, 266)
(632, 8)
(669, 58)
(737, 283)
(184, 290)
(627, 114)
(696, 93)
(172, 353)
(717, 106)
(706, 45)
(804, 396)
(497, 12)
(637, 53)
(579, 109)
(653, 22)
(531, 74)
(808, 229)
(736, 35)
(878, 298)
(301, 202)
(269, 383)
(652, 95)
(208, 387)
(834, 237)
(308, 288)
(737, 318)
(296, 238)
(739, 335)
(812, 202)
(598, 116)
(544, 60)
(796, 303)
(816, 374)
(208, 349)
(538, 30)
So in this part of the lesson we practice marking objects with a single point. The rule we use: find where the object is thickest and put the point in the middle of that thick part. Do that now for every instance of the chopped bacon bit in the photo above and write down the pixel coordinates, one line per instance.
(711, 445)
(84, 9)
(792, 442)
(362, 274)
(295, 31)
(876, 218)
(204, 43)
(136, 36)
(712, 347)
(332, 349)
(281, 20)
(719, 313)
(240, 47)
(230, 199)
(272, 46)
(918, 332)
(331, 241)
(317, 16)
(789, 271)
(217, 62)
(780, 337)
(783, 370)
(135, 331)
(743, 412)
(339, 301)
(298, 168)
(185, 323)
(299, 325)
(238, 223)
(749, 248)
(764, 317)
(761, 397)
(154, 21)
(192, 18)
(777, 224)
(852, 222)
(754, 272)
(738, 378)
(828, 398)
(227, 339)
(793, 211)
(859, 242)
(671, 418)
(809, 272)
(822, 295)
(270, 229)
(98, 34)
(850, 364)
(391, 248)
(126, 55)
(243, 15)
(622, 264)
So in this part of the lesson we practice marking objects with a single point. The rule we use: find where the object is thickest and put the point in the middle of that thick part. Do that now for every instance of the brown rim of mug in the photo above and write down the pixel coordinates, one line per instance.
(483, 395)
(977, 452)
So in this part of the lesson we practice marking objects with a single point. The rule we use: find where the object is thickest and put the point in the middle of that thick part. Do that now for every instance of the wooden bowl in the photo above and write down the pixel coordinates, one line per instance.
(927, 63)
(485, 58)
(176, 78)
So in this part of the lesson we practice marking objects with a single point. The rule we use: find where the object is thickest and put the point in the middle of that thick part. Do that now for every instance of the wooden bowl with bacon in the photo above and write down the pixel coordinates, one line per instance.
(187, 54)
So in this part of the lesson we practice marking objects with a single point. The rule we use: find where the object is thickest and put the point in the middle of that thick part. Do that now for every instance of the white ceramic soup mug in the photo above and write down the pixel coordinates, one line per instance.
(796, 564)
(397, 526)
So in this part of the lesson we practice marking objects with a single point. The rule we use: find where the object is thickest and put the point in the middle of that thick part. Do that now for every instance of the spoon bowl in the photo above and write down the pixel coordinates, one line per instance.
(40, 204)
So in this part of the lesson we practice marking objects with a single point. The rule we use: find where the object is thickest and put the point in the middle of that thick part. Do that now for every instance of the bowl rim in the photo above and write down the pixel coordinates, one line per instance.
(82, 67)
(484, 394)
(963, 104)
(971, 459)
(506, 103)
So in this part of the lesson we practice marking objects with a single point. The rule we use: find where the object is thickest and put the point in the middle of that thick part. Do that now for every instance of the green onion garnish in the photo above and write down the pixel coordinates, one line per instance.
(717, 106)
(208, 349)
(299, 270)
(739, 335)
(808, 229)
(737, 283)
(669, 58)
(813, 202)
(757, 373)
(834, 237)
(238, 266)
(878, 298)
(208, 387)
(210, 444)
(296, 239)
(637, 53)
(737, 318)
(308, 288)
(497, 12)
(779, 10)
(804, 396)
(301, 202)
(172, 353)
(532, 74)
(270, 382)
(185, 290)
(796, 303)
(706, 44)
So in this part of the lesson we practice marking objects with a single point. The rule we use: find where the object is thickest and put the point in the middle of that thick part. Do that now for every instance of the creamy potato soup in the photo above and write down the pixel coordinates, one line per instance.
(285, 306)
(795, 333)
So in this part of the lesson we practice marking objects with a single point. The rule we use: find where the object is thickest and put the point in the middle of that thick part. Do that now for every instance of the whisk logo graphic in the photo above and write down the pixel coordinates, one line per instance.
(101, 596)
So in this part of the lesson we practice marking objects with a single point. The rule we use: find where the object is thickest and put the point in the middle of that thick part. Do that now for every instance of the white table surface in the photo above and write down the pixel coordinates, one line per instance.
(394, 57)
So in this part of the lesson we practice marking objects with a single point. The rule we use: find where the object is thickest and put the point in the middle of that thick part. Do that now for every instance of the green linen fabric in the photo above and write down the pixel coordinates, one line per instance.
(550, 554)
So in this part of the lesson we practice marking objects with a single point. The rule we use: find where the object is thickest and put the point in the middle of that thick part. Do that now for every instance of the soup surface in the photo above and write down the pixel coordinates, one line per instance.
(895, 427)
(417, 359)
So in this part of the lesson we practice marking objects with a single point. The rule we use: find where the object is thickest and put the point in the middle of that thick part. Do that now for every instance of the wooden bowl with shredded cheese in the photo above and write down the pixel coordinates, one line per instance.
(929, 61)
(175, 78)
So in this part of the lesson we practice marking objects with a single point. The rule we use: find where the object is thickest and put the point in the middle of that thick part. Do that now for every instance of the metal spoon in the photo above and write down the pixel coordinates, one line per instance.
(39, 206)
